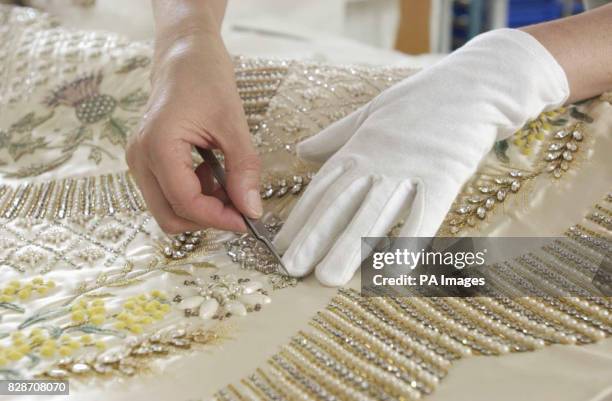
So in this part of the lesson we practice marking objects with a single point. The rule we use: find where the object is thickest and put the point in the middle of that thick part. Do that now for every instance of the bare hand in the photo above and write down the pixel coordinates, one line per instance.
(194, 102)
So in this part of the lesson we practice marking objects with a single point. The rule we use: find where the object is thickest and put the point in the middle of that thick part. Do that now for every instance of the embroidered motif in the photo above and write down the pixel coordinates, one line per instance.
(560, 134)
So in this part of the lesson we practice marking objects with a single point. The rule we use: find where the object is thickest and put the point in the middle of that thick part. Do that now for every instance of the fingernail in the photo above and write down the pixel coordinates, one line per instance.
(254, 203)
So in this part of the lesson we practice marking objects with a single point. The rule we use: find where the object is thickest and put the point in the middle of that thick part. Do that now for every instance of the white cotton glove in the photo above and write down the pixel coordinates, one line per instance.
(409, 151)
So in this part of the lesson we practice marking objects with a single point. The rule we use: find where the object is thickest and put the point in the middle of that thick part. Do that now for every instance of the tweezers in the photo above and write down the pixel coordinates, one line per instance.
(256, 227)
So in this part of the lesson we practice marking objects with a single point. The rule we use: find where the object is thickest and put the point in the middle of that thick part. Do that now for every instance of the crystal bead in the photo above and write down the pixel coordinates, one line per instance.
(178, 333)
(571, 146)
(208, 308)
(296, 189)
(178, 255)
(57, 373)
(236, 308)
(109, 358)
(268, 193)
(102, 368)
(180, 343)
(282, 191)
(481, 212)
(80, 368)
(190, 302)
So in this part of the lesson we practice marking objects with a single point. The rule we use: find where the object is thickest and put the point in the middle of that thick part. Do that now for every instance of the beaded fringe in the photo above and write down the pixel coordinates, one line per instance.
(383, 348)
(58, 199)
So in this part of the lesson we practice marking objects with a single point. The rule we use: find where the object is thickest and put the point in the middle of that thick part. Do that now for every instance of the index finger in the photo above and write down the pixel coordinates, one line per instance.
(181, 187)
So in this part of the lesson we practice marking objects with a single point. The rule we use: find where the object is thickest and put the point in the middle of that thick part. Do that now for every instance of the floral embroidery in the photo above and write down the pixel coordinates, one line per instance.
(133, 63)
(15, 290)
(99, 118)
(133, 356)
(142, 310)
(536, 129)
(558, 135)
(113, 320)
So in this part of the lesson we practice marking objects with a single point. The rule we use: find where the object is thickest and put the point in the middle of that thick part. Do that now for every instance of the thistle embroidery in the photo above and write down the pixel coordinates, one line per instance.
(99, 116)
(91, 106)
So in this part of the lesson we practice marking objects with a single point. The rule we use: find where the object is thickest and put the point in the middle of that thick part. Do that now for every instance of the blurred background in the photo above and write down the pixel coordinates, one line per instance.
(390, 32)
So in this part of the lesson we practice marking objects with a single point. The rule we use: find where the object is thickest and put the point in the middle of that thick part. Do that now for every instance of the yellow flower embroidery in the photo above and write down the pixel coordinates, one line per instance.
(16, 290)
(93, 312)
(142, 310)
(534, 130)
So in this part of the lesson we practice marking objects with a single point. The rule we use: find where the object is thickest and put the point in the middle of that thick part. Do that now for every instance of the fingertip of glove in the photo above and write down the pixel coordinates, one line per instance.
(306, 151)
(294, 268)
(331, 278)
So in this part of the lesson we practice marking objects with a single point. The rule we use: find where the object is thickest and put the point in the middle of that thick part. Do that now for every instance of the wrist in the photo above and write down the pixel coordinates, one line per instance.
(189, 45)
(180, 37)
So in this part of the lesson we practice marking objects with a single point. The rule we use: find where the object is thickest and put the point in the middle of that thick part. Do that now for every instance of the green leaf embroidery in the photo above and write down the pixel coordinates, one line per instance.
(177, 272)
(27, 144)
(100, 295)
(559, 122)
(124, 283)
(28, 122)
(578, 115)
(134, 101)
(501, 147)
(132, 63)
(37, 169)
(75, 138)
(34, 360)
(90, 329)
(95, 155)
(10, 374)
(42, 316)
(54, 331)
(116, 131)
(11, 306)
(204, 265)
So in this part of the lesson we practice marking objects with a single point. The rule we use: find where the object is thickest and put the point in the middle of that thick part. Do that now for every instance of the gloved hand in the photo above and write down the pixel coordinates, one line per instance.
(409, 151)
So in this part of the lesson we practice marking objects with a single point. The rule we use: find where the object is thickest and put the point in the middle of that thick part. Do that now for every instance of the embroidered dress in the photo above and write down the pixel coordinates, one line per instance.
(91, 287)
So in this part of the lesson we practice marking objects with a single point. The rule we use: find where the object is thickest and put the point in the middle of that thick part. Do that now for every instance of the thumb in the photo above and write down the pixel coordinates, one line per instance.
(322, 146)
(243, 168)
